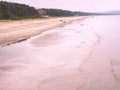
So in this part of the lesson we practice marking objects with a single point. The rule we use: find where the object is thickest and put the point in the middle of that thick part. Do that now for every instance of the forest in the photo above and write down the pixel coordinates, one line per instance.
(59, 12)
(10, 10)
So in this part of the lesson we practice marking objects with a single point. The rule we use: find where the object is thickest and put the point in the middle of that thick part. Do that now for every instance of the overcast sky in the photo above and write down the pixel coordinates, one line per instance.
(74, 5)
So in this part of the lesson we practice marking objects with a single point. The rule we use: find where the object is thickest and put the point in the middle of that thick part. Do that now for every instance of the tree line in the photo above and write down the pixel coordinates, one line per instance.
(59, 12)
(10, 10)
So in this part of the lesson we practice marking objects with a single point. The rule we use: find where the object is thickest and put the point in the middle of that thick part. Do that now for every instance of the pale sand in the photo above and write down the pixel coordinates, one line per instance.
(18, 30)
(84, 55)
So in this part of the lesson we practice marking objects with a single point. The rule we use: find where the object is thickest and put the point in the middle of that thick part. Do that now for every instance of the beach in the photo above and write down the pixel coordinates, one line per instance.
(82, 55)
(13, 31)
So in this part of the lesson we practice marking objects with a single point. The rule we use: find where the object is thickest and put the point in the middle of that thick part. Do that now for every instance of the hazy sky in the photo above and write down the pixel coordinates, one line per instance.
(75, 5)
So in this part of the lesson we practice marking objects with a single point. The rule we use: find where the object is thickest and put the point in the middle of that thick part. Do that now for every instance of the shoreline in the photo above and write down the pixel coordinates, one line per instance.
(12, 32)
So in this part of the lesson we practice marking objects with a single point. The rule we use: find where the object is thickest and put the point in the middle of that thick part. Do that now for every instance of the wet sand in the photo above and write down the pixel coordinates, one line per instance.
(13, 31)
(84, 55)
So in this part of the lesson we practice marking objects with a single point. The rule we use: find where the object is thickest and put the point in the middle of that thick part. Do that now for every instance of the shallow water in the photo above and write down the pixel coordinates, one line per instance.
(84, 55)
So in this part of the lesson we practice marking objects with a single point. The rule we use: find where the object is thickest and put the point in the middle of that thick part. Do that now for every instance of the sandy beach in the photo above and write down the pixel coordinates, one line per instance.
(83, 55)
(13, 31)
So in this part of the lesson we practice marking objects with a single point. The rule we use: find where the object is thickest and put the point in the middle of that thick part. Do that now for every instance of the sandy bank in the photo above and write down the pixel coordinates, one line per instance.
(19, 30)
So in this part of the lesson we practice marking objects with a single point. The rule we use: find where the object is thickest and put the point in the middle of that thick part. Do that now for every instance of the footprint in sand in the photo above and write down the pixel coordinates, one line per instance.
(114, 62)
(82, 42)
(78, 46)
(115, 65)
(78, 32)
(81, 24)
